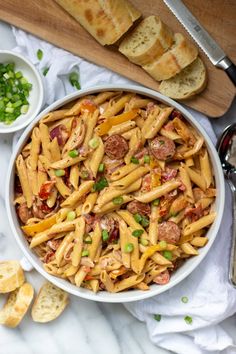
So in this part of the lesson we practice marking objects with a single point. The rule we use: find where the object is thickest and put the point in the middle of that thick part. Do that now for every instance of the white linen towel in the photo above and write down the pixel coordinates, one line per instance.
(211, 298)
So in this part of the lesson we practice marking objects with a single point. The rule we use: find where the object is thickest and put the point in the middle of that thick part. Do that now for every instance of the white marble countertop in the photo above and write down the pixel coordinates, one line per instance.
(91, 327)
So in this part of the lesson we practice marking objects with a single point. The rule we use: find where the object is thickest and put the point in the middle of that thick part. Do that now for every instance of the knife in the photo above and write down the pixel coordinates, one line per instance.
(203, 38)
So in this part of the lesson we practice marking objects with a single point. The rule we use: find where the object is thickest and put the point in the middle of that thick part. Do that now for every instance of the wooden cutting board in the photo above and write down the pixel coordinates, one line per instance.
(47, 20)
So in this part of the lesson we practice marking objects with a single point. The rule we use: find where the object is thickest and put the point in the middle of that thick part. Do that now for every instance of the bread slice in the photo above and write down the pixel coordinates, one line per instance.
(17, 305)
(105, 20)
(11, 276)
(148, 41)
(188, 82)
(49, 304)
(180, 55)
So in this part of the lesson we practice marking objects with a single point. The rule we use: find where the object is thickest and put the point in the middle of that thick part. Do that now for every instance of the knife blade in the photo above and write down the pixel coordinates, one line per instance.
(202, 37)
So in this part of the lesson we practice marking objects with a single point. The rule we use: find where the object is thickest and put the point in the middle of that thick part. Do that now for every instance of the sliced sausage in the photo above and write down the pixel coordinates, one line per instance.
(162, 148)
(168, 231)
(162, 278)
(24, 213)
(116, 147)
(136, 207)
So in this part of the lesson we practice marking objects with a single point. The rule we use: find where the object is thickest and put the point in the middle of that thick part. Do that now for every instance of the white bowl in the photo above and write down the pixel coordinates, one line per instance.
(131, 295)
(36, 94)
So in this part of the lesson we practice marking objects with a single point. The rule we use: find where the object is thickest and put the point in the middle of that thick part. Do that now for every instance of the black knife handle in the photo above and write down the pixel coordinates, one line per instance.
(231, 72)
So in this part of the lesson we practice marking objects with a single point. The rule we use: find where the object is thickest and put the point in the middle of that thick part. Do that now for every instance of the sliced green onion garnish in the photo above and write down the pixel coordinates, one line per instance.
(101, 167)
(129, 247)
(118, 200)
(74, 80)
(71, 215)
(167, 255)
(184, 299)
(188, 319)
(87, 239)
(45, 71)
(157, 317)
(137, 233)
(60, 173)
(93, 143)
(84, 174)
(134, 160)
(100, 185)
(163, 244)
(39, 54)
(145, 221)
(105, 235)
(146, 158)
(138, 218)
(73, 153)
(143, 241)
(85, 253)
(156, 202)
(24, 109)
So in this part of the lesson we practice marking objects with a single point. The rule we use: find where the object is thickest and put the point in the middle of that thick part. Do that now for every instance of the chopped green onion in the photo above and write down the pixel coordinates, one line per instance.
(163, 244)
(87, 239)
(24, 109)
(143, 241)
(138, 218)
(156, 202)
(146, 158)
(60, 173)
(188, 319)
(45, 71)
(167, 255)
(73, 153)
(134, 160)
(93, 143)
(184, 299)
(85, 253)
(157, 317)
(145, 221)
(39, 54)
(161, 142)
(101, 167)
(101, 184)
(84, 174)
(105, 235)
(71, 215)
(137, 233)
(118, 200)
(74, 80)
(129, 247)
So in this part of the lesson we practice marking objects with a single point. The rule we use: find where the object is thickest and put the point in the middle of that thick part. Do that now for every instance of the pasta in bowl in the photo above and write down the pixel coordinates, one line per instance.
(116, 193)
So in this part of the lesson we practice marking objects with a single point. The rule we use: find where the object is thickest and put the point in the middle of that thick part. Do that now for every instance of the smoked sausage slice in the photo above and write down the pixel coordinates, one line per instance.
(116, 147)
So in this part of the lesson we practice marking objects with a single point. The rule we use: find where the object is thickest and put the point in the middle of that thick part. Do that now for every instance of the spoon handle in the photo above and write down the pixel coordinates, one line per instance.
(232, 264)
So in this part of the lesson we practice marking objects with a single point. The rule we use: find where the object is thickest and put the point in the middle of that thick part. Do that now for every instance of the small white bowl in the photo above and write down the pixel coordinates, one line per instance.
(35, 96)
(130, 295)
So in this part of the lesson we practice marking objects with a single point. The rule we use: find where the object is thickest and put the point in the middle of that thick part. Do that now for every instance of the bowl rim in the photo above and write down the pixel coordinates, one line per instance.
(12, 129)
(133, 295)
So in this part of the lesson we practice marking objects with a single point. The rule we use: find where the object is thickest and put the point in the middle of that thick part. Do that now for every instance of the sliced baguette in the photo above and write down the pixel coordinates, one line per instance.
(16, 306)
(148, 41)
(11, 276)
(180, 55)
(49, 304)
(188, 82)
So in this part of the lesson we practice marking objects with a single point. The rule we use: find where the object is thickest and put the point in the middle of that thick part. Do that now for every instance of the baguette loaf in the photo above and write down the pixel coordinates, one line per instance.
(181, 54)
(148, 41)
(187, 83)
(49, 304)
(16, 306)
(105, 20)
(11, 276)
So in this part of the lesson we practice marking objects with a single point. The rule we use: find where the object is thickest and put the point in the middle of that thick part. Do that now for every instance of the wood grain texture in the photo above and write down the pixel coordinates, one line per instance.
(45, 19)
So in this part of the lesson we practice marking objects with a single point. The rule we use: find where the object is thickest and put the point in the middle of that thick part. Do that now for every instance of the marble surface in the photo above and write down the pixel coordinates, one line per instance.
(90, 327)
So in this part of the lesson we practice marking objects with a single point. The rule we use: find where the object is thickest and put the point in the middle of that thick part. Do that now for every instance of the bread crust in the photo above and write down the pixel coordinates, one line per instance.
(11, 276)
(106, 20)
(16, 306)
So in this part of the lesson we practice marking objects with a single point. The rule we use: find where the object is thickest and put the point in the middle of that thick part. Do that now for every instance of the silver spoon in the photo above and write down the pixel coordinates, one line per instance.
(227, 152)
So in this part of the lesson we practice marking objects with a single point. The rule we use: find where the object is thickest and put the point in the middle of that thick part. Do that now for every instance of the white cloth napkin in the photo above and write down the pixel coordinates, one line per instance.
(210, 297)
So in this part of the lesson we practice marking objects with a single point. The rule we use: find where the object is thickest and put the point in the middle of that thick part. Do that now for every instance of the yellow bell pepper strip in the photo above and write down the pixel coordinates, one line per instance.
(31, 230)
(104, 127)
